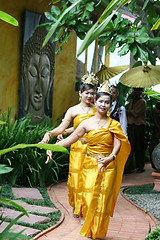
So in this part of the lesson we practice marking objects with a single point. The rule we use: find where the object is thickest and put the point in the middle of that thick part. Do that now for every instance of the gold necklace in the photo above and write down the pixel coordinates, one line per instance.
(88, 108)
(101, 125)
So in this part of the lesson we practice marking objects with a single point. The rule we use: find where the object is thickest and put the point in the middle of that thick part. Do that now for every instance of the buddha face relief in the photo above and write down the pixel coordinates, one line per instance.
(38, 75)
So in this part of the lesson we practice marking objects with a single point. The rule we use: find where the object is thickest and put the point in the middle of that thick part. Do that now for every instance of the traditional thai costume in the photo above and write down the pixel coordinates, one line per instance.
(77, 154)
(100, 189)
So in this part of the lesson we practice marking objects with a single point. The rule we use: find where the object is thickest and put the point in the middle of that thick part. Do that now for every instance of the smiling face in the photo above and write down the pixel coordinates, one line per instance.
(103, 103)
(87, 96)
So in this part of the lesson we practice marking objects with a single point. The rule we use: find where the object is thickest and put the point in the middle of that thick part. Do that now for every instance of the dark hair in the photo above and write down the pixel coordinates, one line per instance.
(86, 86)
(138, 89)
(100, 94)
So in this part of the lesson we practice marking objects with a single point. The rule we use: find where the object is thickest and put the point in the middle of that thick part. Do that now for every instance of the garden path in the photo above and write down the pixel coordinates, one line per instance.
(128, 223)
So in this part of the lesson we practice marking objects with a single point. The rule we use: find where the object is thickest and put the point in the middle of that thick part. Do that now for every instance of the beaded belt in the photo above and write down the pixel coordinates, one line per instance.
(97, 156)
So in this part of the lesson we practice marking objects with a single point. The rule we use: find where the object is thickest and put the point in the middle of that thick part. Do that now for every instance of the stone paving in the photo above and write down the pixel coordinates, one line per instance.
(32, 194)
(128, 223)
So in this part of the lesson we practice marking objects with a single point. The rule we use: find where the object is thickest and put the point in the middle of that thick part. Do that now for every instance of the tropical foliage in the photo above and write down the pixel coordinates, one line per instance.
(154, 235)
(7, 233)
(96, 19)
(28, 162)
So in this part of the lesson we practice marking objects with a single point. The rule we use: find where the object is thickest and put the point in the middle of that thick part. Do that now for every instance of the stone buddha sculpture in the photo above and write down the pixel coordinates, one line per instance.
(38, 71)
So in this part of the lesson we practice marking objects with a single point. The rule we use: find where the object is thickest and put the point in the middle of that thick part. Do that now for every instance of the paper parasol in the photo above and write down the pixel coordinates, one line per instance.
(142, 76)
(108, 72)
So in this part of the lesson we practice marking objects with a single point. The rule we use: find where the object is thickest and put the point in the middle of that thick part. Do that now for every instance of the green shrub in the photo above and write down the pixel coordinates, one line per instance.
(29, 168)
(7, 232)
(154, 235)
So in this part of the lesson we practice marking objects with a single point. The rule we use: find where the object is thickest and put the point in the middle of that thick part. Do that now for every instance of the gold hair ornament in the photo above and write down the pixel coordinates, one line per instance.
(105, 87)
(89, 79)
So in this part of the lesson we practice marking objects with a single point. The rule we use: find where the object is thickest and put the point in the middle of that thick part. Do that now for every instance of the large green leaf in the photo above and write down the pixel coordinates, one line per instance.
(52, 147)
(90, 6)
(55, 25)
(133, 49)
(141, 37)
(4, 169)
(124, 50)
(50, 17)
(55, 11)
(8, 18)
(142, 53)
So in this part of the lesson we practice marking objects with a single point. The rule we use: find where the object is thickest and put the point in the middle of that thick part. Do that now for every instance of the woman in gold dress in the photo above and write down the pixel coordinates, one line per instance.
(77, 113)
(102, 170)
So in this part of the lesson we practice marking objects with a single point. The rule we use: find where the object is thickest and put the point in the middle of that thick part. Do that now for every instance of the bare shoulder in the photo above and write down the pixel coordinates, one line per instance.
(88, 124)
(73, 111)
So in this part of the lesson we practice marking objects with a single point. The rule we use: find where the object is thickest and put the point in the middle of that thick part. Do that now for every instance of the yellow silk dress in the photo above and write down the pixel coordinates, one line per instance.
(100, 189)
(77, 154)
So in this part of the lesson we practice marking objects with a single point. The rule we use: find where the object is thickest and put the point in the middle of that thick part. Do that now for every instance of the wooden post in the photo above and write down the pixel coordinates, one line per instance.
(96, 55)
(85, 65)
(107, 58)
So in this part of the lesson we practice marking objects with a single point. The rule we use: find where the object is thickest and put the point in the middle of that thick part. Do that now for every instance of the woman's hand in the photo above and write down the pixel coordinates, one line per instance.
(49, 156)
(59, 137)
(103, 162)
(45, 138)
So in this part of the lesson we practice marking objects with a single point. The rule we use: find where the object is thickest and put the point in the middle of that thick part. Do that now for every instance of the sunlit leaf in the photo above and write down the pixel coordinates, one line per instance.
(8, 18)
(52, 147)
(55, 1)
(151, 92)
(156, 25)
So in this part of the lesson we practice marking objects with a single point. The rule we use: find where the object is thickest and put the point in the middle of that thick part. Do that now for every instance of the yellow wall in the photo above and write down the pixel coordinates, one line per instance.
(64, 95)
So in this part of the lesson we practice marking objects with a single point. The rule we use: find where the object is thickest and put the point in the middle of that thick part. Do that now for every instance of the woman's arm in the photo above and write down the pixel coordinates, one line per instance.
(79, 132)
(105, 161)
(60, 129)
(67, 131)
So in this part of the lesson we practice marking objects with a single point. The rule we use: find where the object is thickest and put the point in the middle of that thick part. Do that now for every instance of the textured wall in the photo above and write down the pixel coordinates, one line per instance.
(64, 95)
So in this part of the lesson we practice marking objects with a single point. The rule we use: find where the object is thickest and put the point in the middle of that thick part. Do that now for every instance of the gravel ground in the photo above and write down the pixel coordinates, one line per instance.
(150, 202)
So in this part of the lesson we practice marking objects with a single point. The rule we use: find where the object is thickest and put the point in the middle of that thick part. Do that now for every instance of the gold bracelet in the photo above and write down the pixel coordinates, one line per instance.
(50, 134)
(112, 154)
(65, 132)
